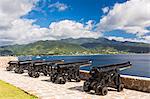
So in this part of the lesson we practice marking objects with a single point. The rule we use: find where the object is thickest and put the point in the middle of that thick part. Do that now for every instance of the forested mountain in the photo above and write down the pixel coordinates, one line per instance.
(76, 46)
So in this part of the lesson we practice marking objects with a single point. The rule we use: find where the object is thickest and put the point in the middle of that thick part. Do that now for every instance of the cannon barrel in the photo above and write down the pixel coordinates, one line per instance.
(13, 62)
(70, 64)
(25, 62)
(20, 62)
(120, 66)
(48, 62)
(33, 61)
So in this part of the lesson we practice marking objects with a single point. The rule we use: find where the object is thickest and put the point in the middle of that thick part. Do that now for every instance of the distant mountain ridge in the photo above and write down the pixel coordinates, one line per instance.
(91, 43)
(72, 46)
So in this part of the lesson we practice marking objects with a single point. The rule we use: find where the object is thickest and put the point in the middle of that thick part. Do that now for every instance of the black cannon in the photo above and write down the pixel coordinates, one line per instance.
(18, 66)
(60, 73)
(22, 65)
(44, 67)
(12, 65)
(34, 67)
(105, 76)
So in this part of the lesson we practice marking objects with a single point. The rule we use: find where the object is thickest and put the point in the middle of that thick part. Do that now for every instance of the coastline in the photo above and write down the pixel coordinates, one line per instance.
(89, 54)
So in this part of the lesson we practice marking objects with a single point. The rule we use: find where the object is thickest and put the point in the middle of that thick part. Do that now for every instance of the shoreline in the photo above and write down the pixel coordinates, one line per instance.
(90, 54)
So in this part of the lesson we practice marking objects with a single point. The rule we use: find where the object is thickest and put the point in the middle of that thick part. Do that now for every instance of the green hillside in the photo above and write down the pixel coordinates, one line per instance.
(75, 47)
(46, 48)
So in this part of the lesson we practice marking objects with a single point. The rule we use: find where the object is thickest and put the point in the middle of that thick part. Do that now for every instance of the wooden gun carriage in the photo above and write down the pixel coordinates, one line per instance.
(60, 73)
(102, 77)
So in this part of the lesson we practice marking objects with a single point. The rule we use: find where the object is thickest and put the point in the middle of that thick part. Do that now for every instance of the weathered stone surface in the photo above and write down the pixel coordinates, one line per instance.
(136, 83)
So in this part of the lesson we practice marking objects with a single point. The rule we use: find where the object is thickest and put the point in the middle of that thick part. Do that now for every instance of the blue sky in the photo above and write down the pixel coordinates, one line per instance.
(78, 10)
(33, 20)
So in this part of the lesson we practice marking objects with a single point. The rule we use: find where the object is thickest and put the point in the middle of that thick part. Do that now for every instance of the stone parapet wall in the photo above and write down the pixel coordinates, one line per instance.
(136, 83)
(130, 82)
(5, 59)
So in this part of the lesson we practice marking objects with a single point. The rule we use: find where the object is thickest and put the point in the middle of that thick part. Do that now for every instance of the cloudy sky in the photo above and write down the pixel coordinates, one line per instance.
(26, 21)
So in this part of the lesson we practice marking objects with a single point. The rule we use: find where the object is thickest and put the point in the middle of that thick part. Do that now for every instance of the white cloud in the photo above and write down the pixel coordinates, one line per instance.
(90, 24)
(59, 6)
(15, 30)
(68, 28)
(122, 39)
(132, 16)
(13, 9)
(22, 31)
(105, 9)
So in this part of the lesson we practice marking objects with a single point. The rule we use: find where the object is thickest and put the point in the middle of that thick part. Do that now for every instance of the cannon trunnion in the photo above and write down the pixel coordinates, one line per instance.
(60, 73)
(105, 76)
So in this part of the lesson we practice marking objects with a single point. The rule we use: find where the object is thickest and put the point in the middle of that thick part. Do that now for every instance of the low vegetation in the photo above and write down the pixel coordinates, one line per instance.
(8, 91)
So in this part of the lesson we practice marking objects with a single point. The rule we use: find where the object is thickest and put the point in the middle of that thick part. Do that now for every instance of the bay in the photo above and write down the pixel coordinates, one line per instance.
(140, 62)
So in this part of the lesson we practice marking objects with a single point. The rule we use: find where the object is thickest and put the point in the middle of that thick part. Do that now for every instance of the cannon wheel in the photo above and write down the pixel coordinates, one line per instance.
(69, 79)
(9, 68)
(104, 91)
(60, 80)
(16, 70)
(19, 71)
(52, 77)
(78, 79)
(30, 74)
(101, 90)
(94, 85)
(120, 87)
(45, 73)
(98, 90)
(86, 86)
(35, 74)
(118, 83)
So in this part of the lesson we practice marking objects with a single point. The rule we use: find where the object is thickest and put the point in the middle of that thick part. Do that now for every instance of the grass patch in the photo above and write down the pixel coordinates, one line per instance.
(8, 91)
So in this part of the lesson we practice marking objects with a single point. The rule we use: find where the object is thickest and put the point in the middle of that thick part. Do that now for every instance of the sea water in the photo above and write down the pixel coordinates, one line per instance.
(140, 62)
